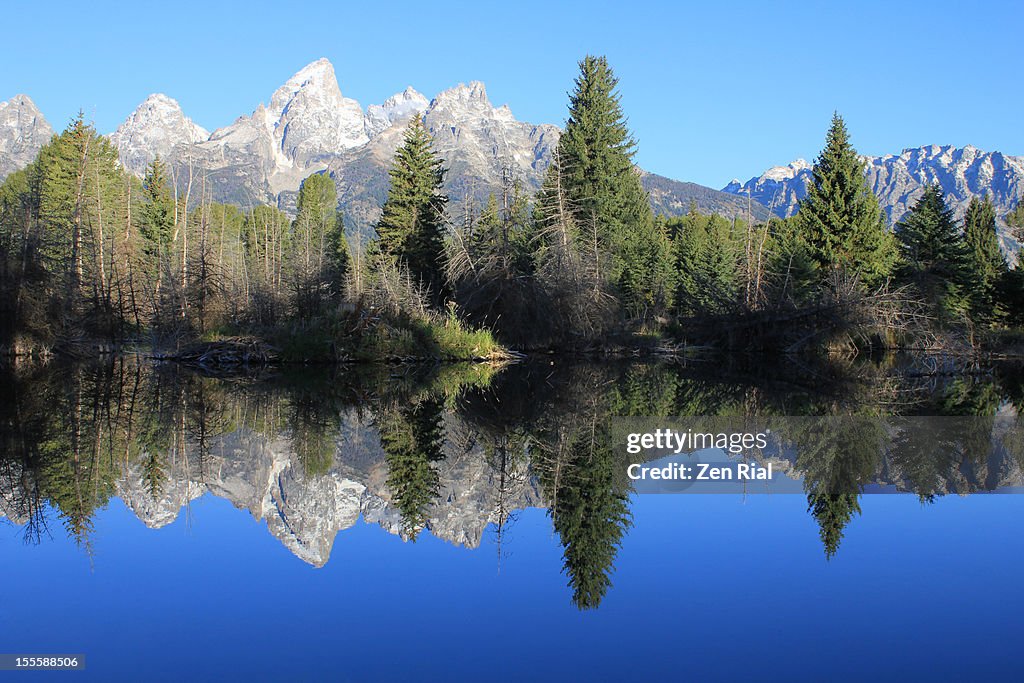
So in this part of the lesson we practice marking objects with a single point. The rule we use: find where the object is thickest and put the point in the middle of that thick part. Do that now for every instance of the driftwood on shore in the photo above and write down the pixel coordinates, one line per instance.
(224, 353)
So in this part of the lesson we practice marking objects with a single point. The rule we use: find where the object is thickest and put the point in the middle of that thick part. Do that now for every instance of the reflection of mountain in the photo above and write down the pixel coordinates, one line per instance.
(456, 449)
(262, 475)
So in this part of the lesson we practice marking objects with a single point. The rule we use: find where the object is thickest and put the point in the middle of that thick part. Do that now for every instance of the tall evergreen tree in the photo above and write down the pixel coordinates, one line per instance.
(157, 212)
(840, 217)
(411, 226)
(932, 252)
(707, 263)
(319, 256)
(604, 192)
(984, 259)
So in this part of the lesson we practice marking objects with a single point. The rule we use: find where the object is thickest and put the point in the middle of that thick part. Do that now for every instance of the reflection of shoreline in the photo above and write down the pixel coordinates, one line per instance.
(451, 449)
(306, 513)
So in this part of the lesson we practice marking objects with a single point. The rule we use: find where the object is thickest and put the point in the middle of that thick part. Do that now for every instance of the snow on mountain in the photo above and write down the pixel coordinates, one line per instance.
(23, 131)
(780, 173)
(158, 126)
(398, 107)
(310, 117)
(479, 140)
(899, 179)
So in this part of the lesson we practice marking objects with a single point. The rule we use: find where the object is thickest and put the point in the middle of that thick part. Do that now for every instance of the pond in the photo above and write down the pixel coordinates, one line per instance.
(462, 522)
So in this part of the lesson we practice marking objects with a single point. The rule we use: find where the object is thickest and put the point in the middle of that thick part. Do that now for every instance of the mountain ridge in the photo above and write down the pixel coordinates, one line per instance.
(898, 180)
(308, 126)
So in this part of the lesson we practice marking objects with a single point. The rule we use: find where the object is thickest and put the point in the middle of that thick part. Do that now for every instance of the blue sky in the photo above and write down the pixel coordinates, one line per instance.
(712, 90)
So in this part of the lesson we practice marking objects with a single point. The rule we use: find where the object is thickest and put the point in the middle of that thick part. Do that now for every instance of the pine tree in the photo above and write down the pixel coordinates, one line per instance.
(984, 259)
(319, 255)
(932, 252)
(1015, 219)
(707, 263)
(604, 191)
(793, 270)
(157, 212)
(411, 226)
(840, 217)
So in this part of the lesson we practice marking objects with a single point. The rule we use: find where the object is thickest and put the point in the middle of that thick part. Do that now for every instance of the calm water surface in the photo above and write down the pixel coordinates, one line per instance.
(460, 523)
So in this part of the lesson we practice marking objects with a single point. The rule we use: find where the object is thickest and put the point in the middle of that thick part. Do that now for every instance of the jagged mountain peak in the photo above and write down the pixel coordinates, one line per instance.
(158, 126)
(410, 94)
(399, 106)
(475, 93)
(19, 100)
(23, 131)
(161, 108)
(789, 171)
(316, 78)
(309, 117)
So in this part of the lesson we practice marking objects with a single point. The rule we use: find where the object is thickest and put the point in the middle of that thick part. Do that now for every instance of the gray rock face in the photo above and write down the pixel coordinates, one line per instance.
(899, 179)
(156, 127)
(309, 127)
(477, 139)
(23, 131)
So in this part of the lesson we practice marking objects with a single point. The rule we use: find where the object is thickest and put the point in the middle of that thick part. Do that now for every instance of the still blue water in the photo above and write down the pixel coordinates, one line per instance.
(705, 587)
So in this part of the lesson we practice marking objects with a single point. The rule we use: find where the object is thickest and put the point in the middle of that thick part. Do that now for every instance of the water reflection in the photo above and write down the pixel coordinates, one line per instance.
(458, 449)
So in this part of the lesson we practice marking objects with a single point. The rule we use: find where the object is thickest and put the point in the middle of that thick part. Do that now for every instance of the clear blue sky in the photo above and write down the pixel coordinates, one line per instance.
(712, 90)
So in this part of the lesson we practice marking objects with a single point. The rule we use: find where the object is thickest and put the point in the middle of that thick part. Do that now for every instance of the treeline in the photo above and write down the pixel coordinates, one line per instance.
(87, 252)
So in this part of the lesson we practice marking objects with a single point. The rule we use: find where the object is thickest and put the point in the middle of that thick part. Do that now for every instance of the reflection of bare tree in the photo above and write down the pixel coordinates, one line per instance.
(71, 436)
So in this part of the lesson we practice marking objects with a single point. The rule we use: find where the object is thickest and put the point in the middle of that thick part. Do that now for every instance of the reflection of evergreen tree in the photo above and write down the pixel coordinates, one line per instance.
(590, 514)
(838, 456)
(833, 512)
(412, 439)
(645, 390)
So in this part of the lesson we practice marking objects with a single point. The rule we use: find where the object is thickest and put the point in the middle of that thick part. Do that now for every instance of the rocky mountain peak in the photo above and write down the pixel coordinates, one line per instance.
(308, 116)
(23, 131)
(472, 96)
(315, 80)
(395, 108)
(787, 172)
(158, 126)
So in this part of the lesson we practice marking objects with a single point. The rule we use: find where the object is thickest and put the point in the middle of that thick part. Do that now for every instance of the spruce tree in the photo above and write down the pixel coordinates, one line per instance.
(793, 270)
(984, 259)
(157, 212)
(411, 226)
(604, 192)
(840, 217)
(707, 263)
(932, 252)
(1015, 219)
(319, 257)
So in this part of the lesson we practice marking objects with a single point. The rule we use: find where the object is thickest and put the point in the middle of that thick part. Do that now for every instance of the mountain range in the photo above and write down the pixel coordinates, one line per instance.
(309, 126)
(898, 179)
